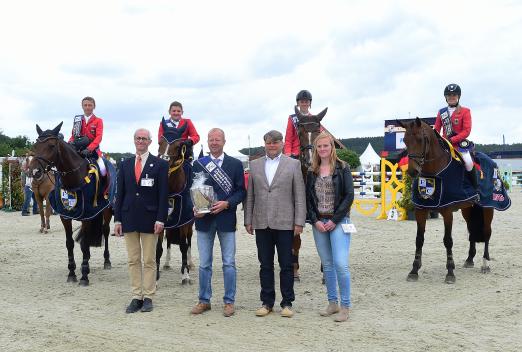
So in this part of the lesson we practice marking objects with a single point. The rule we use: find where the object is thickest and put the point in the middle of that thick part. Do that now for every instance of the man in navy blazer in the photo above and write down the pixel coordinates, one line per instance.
(140, 213)
(225, 175)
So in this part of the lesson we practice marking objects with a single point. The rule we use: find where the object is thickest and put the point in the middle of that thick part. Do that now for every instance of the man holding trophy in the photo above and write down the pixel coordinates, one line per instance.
(217, 189)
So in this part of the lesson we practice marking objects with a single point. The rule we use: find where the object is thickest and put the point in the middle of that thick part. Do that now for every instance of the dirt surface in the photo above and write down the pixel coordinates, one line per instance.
(480, 312)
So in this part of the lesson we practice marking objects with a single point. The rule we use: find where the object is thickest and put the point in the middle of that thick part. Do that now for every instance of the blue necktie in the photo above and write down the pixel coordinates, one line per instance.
(216, 161)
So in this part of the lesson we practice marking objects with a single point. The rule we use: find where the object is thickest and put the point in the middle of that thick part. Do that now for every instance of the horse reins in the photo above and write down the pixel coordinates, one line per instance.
(50, 164)
(421, 159)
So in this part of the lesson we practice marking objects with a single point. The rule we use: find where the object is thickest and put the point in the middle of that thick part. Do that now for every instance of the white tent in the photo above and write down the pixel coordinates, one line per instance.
(369, 157)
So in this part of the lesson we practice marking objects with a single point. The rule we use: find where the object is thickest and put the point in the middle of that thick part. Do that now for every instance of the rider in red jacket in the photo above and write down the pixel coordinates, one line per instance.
(190, 135)
(292, 144)
(87, 133)
(455, 122)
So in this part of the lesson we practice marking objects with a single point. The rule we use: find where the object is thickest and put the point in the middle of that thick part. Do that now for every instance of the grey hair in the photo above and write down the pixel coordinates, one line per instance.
(143, 129)
(216, 129)
(273, 135)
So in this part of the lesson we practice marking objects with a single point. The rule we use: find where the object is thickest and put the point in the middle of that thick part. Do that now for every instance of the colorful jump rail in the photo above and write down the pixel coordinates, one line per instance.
(387, 197)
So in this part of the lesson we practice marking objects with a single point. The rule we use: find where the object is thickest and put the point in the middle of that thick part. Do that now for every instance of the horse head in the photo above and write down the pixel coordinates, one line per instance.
(308, 127)
(418, 139)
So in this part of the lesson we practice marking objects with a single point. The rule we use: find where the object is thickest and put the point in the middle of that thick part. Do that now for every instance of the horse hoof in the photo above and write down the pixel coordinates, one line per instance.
(107, 266)
(185, 282)
(485, 269)
(83, 282)
(468, 264)
(41, 230)
(167, 267)
(450, 279)
(412, 277)
(72, 279)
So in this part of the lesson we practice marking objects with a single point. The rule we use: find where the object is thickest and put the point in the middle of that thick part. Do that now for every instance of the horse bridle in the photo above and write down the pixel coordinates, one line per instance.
(421, 159)
(50, 164)
(308, 146)
(178, 163)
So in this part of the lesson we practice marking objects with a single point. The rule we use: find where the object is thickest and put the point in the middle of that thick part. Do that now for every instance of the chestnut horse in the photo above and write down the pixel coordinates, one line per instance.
(308, 128)
(428, 156)
(181, 231)
(52, 152)
(42, 185)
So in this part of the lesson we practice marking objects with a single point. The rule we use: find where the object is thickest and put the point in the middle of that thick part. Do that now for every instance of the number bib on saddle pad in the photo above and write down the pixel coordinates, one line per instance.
(491, 188)
(87, 201)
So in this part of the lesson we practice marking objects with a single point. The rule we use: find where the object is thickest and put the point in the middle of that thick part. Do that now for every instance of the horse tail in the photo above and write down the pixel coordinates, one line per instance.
(91, 232)
(476, 224)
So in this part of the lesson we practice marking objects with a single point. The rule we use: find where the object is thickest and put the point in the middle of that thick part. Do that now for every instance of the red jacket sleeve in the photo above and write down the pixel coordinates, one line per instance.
(192, 133)
(98, 138)
(466, 127)
(291, 139)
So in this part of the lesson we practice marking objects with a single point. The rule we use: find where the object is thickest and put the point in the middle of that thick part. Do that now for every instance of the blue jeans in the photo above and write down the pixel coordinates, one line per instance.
(227, 240)
(334, 249)
(28, 194)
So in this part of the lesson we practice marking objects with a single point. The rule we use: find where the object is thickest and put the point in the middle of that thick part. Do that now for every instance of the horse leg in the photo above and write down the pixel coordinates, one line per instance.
(488, 219)
(69, 243)
(189, 251)
(296, 245)
(47, 213)
(86, 251)
(466, 214)
(39, 200)
(183, 247)
(166, 266)
(448, 243)
(420, 216)
(107, 216)
(159, 252)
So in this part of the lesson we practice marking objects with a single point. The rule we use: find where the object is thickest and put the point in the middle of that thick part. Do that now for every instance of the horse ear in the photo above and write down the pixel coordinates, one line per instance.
(418, 121)
(39, 130)
(57, 129)
(321, 114)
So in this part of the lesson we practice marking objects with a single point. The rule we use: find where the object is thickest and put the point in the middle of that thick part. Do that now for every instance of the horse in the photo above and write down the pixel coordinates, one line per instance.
(308, 128)
(73, 171)
(430, 155)
(178, 229)
(42, 185)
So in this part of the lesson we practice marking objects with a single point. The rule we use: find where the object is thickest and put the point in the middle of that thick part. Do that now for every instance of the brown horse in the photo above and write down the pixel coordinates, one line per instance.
(181, 232)
(52, 152)
(42, 185)
(427, 156)
(308, 128)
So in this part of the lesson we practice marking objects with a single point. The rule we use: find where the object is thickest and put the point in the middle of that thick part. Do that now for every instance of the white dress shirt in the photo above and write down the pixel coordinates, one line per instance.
(271, 167)
(144, 157)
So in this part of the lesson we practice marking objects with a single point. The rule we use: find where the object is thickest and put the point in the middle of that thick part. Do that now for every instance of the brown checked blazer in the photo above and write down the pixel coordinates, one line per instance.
(281, 205)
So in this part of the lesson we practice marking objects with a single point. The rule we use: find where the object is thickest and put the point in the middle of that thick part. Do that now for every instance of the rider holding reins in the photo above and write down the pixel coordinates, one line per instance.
(455, 122)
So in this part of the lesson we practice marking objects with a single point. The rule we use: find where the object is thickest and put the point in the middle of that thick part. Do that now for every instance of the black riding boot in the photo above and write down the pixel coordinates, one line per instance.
(473, 177)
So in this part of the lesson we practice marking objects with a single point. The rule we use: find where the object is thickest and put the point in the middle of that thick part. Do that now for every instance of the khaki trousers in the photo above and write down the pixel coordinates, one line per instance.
(142, 278)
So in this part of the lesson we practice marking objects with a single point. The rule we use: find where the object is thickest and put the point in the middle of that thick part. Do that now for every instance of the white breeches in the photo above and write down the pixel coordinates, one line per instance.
(468, 162)
(103, 170)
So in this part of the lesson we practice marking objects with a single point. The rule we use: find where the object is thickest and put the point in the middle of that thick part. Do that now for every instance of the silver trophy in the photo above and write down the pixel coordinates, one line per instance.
(203, 196)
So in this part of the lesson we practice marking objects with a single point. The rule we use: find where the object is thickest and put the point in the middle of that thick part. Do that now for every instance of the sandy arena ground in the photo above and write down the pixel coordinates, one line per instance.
(480, 312)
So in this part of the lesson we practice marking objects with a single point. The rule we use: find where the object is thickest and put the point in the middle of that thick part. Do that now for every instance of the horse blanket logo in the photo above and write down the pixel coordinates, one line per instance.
(90, 199)
(426, 187)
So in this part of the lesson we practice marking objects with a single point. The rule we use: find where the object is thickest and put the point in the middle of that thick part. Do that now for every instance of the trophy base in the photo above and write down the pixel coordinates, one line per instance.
(203, 211)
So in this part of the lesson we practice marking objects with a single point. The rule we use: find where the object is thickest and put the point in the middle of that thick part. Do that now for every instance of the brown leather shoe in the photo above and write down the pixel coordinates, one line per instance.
(228, 309)
(200, 308)
(287, 312)
(263, 311)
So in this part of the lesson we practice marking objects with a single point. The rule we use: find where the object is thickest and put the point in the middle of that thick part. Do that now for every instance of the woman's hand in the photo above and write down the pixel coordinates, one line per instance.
(329, 225)
(320, 226)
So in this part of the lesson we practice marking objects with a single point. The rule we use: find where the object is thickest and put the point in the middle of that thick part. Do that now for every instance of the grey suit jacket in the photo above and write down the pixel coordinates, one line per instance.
(280, 206)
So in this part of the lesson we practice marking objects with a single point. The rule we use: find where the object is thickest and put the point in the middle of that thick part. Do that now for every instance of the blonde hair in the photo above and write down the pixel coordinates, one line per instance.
(316, 160)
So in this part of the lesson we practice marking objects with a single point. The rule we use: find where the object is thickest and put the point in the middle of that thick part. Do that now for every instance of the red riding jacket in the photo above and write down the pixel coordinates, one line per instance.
(190, 131)
(92, 129)
(460, 124)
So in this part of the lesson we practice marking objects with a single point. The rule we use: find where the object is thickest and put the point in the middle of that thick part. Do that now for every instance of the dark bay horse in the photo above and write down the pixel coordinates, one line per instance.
(72, 169)
(308, 128)
(42, 185)
(429, 156)
(178, 229)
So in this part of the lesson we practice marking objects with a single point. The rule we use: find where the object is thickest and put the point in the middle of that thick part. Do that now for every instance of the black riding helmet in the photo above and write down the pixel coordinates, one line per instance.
(452, 89)
(303, 95)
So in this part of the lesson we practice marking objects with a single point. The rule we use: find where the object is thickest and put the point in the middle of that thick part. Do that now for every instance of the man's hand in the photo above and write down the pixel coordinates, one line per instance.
(219, 206)
(117, 230)
(158, 228)
(249, 229)
(298, 230)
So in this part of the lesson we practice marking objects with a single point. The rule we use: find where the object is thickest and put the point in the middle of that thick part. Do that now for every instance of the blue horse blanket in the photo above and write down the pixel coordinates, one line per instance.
(87, 201)
(180, 204)
(451, 185)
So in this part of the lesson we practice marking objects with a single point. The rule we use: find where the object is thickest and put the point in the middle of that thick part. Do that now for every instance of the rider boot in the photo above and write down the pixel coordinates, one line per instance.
(473, 177)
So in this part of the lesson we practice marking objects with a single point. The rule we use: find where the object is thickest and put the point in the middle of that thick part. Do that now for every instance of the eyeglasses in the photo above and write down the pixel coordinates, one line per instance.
(141, 139)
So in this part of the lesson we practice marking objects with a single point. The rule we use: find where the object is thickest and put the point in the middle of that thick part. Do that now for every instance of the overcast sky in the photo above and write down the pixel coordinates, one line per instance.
(239, 64)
